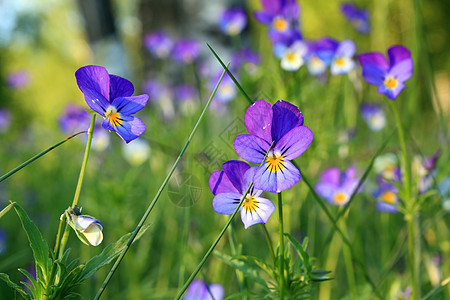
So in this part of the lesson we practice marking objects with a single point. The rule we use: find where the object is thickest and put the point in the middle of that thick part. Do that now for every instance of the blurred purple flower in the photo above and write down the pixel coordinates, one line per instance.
(389, 77)
(427, 171)
(233, 21)
(386, 195)
(5, 120)
(282, 126)
(18, 79)
(74, 119)
(342, 62)
(320, 55)
(159, 44)
(198, 290)
(373, 115)
(246, 59)
(187, 97)
(359, 18)
(336, 187)
(186, 51)
(227, 90)
(110, 96)
(3, 240)
(292, 57)
(161, 95)
(228, 187)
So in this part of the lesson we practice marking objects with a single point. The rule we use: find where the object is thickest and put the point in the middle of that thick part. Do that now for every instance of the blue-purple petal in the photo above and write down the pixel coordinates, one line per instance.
(226, 203)
(275, 182)
(346, 48)
(130, 105)
(403, 70)
(397, 54)
(258, 120)
(373, 74)
(251, 148)
(391, 93)
(263, 17)
(286, 116)
(295, 142)
(373, 58)
(235, 171)
(120, 87)
(95, 78)
(130, 129)
(219, 183)
(331, 176)
(326, 190)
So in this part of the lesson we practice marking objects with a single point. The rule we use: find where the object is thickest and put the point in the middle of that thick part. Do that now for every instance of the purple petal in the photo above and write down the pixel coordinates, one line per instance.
(131, 128)
(386, 207)
(220, 183)
(347, 49)
(391, 93)
(217, 291)
(226, 203)
(130, 105)
(295, 142)
(248, 179)
(375, 59)
(286, 116)
(397, 54)
(251, 148)
(331, 175)
(95, 78)
(258, 120)
(263, 17)
(271, 6)
(96, 101)
(373, 75)
(403, 70)
(275, 182)
(120, 87)
(326, 190)
(235, 171)
(260, 215)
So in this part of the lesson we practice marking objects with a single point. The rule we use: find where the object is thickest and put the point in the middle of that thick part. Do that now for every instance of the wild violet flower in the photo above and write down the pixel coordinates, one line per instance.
(198, 290)
(281, 126)
(159, 44)
(110, 96)
(373, 115)
(388, 77)
(292, 57)
(359, 18)
(18, 79)
(186, 51)
(187, 97)
(5, 120)
(227, 90)
(280, 15)
(387, 196)
(233, 21)
(343, 58)
(87, 228)
(320, 55)
(74, 119)
(247, 59)
(387, 166)
(425, 170)
(335, 186)
(161, 95)
(228, 187)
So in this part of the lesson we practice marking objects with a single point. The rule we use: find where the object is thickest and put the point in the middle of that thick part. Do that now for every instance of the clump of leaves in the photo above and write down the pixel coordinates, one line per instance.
(58, 278)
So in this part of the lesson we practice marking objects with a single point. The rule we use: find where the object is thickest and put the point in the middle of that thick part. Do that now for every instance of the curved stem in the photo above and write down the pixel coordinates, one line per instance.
(269, 242)
(280, 216)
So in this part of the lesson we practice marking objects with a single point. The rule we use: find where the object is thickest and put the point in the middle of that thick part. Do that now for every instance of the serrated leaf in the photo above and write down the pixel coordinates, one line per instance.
(108, 254)
(37, 243)
(13, 285)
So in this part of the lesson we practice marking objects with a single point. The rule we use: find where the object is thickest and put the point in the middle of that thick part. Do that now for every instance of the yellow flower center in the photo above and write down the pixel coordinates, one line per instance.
(113, 116)
(275, 162)
(250, 204)
(340, 198)
(280, 24)
(291, 57)
(340, 61)
(316, 62)
(390, 82)
(389, 197)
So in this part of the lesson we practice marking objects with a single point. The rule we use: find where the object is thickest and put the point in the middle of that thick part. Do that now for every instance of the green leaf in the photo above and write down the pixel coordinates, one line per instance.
(30, 277)
(11, 284)
(108, 254)
(37, 243)
(301, 252)
(6, 209)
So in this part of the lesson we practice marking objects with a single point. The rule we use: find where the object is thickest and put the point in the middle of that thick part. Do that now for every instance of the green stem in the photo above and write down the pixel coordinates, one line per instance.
(235, 252)
(158, 194)
(349, 264)
(23, 165)
(79, 184)
(269, 242)
(280, 216)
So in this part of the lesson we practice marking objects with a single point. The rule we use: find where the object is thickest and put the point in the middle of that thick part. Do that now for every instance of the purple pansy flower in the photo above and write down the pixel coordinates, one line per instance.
(292, 57)
(320, 55)
(343, 58)
(389, 77)
(233, 21)
(186, 51)
(247, 59)
(359, 18)
(18, 79)
(281, 16)
(74, 119)
(230, 185)
(373, 115)
(335, 186)
(227, 90)
(5, 120)
(426, 171)
(159, 44)
(386, 195)
(160, 94)
(282, 126)
(187, 97)
(110, 96)
(198, 290)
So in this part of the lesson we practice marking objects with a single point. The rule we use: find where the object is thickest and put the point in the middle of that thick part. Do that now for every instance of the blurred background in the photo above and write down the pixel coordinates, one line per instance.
(43, 43)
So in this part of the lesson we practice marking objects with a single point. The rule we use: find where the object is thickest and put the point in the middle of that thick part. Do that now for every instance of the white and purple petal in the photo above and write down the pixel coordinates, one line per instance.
(403, 70)
(251, 148)
(286, 116)
(258, 120)
(295, 142)
(391, 93)
(346, 48)
(226, 203)
(275, 182)
(131, 128)
(261, 214)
